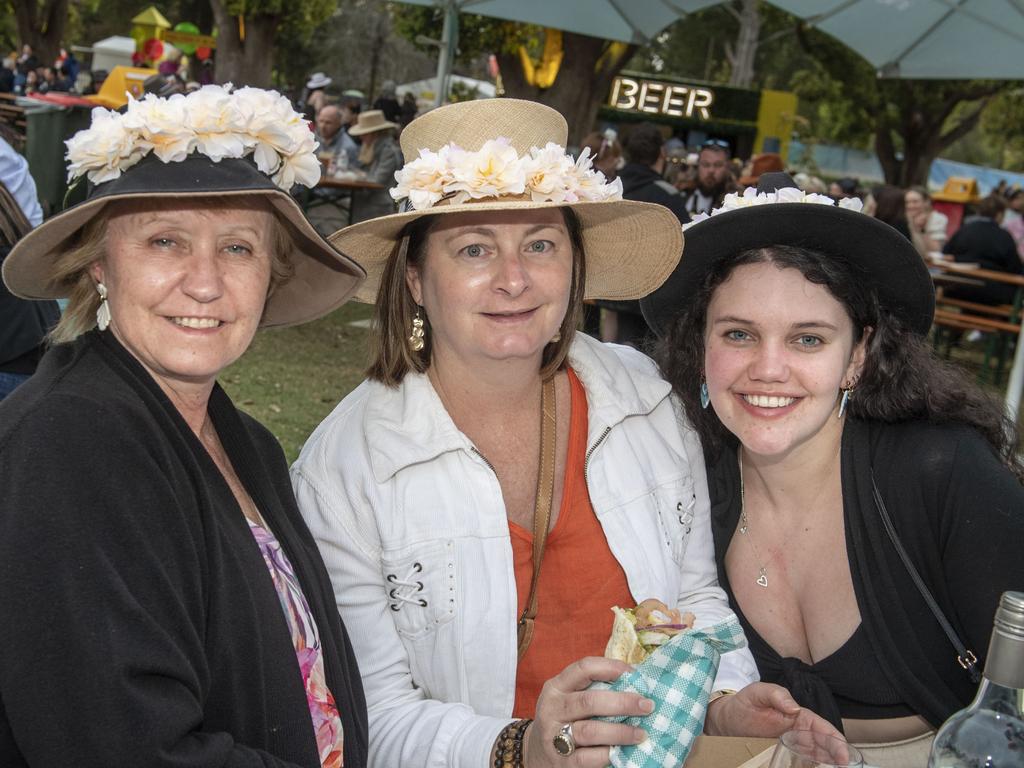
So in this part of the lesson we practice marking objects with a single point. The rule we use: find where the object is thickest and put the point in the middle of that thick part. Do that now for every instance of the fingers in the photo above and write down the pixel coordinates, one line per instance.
(589, 733)
(780, 699)
(586, 704)
(809, 721)
(587, 670)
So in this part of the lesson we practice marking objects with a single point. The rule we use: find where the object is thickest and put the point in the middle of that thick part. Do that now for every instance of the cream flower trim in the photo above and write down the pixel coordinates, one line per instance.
(213, 121)
(546, 174)
(751, 197)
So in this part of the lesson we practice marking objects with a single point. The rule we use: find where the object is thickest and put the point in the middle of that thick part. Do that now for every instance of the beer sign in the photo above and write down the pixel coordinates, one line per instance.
(632, 94)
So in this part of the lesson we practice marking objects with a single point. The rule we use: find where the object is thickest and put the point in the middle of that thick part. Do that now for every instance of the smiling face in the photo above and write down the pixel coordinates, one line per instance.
(186, 287)
(914, 203)
(778, 348)
(494, 284)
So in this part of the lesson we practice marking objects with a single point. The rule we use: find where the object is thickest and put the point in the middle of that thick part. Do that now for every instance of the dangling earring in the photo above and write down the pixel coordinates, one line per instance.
(556, 338)
(416, 337)
(705, 398)
(103, 311)
(846, 399)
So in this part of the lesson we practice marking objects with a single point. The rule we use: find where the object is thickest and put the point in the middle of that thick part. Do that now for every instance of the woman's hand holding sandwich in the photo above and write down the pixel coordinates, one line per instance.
(565, 700)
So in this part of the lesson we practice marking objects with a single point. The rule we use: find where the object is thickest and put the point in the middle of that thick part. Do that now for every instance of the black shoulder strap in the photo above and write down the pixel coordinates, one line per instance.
(964, 656)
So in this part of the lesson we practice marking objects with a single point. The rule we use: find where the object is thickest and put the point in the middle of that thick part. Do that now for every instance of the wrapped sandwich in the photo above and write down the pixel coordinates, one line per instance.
(638, 631)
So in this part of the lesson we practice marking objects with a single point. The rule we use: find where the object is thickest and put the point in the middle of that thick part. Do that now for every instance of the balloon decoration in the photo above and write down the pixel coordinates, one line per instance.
(203, 53)
(187, 26)
(153, 49)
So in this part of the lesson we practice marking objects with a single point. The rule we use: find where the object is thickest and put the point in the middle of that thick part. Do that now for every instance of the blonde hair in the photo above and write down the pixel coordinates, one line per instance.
(71, 269)
(393, 357)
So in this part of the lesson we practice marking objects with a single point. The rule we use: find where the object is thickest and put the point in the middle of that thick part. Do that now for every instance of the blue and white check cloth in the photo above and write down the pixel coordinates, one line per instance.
(678, 677)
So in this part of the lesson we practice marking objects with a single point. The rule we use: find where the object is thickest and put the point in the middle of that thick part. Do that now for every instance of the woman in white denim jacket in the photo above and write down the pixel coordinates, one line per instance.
(411, 484)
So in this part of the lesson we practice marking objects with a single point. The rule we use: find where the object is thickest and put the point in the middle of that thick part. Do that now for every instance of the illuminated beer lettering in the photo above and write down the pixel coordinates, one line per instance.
(674, 101)
(650, 97)
(700, 98)
(624, 91)
(660, 98)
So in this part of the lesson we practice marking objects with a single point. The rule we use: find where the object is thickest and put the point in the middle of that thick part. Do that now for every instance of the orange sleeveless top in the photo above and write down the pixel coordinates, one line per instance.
(580, 579)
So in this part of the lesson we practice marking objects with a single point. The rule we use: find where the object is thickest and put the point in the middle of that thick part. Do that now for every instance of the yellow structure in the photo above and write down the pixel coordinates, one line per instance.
(147, 25)
(775, 116)
(121, 81)
(958, 189)
(542, 74)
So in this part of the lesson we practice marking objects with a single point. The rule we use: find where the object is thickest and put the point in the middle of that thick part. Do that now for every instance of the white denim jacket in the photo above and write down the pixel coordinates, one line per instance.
(412, 526)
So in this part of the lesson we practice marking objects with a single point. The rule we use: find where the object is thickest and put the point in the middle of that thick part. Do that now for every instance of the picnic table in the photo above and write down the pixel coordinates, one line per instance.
(1005, 319)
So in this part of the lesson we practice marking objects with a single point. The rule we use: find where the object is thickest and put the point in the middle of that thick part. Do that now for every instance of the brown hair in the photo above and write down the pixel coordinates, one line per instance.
(392, 356)
(901, 380)
(72, 267)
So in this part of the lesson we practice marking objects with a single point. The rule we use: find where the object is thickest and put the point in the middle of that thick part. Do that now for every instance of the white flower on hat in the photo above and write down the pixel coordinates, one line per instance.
(493, 171)
(212, 121)
(105, 149)
(161, 124)
(546, 173)
(751, 197)
(422, 180)
(284, 145)
(587, 183)
(549, 175)
(220, 127)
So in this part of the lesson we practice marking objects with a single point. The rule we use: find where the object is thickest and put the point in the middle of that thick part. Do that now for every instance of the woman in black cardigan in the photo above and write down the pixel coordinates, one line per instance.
(162, 602)
(794, 333)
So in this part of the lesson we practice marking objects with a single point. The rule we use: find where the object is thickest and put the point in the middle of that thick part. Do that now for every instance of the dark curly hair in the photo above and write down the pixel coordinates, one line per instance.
(901, 379)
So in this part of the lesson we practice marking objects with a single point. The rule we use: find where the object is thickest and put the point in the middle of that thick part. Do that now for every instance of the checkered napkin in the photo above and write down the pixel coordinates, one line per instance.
(678, 677)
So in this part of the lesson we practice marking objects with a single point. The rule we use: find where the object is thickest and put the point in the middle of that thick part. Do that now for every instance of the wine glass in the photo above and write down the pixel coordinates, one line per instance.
(810, 749)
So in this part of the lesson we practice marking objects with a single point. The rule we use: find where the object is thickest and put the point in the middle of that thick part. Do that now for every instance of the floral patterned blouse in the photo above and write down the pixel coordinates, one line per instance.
(306, 639)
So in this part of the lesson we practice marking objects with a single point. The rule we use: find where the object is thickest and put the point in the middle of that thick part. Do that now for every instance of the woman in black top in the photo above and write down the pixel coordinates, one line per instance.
(795, 335)
(163, 603)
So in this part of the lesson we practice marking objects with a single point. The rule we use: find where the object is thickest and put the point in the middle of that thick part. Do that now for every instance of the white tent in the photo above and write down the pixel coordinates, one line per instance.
(108, 53)
(425, 91)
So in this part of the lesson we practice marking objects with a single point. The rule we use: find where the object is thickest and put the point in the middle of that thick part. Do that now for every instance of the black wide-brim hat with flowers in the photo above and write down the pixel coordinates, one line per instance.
(875, 252)
(323, 279)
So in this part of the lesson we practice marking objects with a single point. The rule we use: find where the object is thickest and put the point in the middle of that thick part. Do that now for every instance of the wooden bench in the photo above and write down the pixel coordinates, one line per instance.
(1001, 322)
(13, 116)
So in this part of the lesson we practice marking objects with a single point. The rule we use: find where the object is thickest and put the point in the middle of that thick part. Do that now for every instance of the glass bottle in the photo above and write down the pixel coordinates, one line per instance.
(990, 732)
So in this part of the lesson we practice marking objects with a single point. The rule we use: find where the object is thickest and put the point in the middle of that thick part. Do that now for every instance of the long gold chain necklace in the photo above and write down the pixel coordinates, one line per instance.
(762, 572)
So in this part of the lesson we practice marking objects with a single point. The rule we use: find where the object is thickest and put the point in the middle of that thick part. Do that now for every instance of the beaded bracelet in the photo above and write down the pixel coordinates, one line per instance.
(508, 750)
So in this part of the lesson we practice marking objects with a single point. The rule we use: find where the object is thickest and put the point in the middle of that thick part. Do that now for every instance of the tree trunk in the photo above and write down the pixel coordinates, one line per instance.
(741, 57)
(42, 27)
(249, 61)
(583, 81)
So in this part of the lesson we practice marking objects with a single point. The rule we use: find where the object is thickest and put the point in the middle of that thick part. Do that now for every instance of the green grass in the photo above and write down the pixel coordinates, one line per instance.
(291, 378)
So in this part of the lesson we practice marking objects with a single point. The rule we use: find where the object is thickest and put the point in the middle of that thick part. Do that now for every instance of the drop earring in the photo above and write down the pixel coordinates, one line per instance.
(705, 398)
(416, 336)
(103, 310)
(843, 402)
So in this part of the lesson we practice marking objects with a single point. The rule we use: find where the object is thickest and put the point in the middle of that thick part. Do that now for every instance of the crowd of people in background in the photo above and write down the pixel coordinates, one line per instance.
(24, 74)
(695, 180)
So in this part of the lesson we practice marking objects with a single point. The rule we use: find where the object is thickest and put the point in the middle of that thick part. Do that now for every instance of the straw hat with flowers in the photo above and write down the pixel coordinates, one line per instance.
(507, 154)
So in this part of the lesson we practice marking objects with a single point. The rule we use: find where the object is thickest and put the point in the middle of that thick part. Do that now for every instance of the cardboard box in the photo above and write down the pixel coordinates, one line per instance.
(726, 751)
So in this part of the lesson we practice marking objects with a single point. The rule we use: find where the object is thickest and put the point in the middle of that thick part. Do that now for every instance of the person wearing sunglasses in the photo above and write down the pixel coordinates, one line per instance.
(714, 177)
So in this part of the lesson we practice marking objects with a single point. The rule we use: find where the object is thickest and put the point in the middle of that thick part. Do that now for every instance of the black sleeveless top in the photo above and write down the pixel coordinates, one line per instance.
(846, 683)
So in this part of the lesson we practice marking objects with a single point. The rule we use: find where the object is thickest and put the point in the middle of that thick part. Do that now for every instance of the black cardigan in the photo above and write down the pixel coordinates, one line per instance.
(960, 515)
(140, 625)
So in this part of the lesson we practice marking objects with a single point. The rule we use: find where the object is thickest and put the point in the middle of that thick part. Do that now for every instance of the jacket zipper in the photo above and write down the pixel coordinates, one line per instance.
(475, 450)
(590, 452)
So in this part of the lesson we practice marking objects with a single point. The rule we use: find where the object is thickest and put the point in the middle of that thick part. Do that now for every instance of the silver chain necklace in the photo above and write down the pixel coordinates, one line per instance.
(762, 572)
